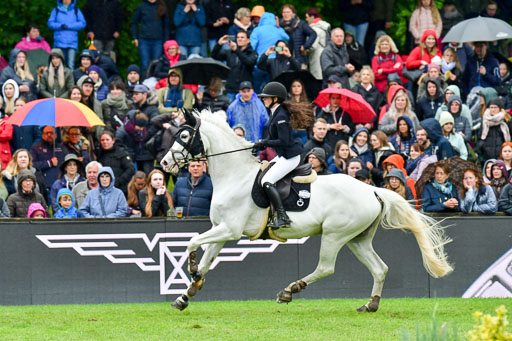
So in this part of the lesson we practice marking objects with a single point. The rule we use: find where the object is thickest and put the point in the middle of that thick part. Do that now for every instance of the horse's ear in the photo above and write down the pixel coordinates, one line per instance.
(190, 119)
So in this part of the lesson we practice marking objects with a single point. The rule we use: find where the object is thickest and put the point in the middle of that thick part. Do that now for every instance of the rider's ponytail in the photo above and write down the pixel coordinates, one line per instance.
(301, 114)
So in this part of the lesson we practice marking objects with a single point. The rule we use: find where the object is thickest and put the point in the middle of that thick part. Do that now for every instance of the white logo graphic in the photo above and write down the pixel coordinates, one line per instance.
(172, 252)
(501, 35)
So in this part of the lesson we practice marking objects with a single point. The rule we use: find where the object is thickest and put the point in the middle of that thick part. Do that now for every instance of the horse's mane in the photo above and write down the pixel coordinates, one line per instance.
(218, 118)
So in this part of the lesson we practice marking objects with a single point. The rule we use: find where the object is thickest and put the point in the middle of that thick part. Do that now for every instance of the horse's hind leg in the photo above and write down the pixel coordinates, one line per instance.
(362, 248)
(329, 249)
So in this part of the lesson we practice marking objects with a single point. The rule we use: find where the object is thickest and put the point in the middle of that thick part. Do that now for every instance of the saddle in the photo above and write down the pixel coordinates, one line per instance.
(294, 189)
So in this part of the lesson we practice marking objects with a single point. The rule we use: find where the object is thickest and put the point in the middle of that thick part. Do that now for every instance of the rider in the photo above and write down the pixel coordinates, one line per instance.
(280, 138)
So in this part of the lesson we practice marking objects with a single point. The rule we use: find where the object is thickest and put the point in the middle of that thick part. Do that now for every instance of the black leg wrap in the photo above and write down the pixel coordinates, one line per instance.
(196, 276)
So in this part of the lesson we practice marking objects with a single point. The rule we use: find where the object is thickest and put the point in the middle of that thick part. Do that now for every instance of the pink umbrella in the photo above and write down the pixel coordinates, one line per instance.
(354, 104)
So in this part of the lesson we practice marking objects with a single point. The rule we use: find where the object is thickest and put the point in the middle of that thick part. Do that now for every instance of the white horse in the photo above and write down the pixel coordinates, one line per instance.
(342, 209)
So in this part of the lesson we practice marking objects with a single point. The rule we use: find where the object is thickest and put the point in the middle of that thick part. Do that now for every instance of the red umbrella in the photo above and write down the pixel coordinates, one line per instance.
(354, 104)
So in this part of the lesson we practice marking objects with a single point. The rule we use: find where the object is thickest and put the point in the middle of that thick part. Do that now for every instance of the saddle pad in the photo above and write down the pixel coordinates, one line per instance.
(291, 203)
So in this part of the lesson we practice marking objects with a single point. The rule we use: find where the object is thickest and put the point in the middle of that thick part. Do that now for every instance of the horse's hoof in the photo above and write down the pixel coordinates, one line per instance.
(284, 296)
(180, 303)
(372, 306)
(362, 308)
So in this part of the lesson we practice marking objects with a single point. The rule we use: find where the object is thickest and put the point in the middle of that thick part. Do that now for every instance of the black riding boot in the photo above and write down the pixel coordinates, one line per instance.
(281, 219)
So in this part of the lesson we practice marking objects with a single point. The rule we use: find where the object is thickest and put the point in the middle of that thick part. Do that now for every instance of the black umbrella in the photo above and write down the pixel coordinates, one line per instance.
(312, 85)
(201, 70)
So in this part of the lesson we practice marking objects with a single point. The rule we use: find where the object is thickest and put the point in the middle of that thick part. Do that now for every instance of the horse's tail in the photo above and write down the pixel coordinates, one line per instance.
(397, 213)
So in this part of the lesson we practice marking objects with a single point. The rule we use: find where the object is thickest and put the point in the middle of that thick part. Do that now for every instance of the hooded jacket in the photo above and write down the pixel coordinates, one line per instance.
(195, 200)
(45, 89)
(398, 173)
(118, 159)
(240, 61)
(322, 29)
(439, 145)
(9, 72)
(387, 124)
(188, 25)
(20, 201)
(417, 54)
(187, 96)
(403, 145)
(456, 140)
(35, 207)
(398, 161)
(166, 61)
(72, 211)
(460, 123)
(66, 22)
(267, 33)
(106, 202)
(465, 112)
(366, 156)
(252, 115)
(151, 27)
(427, 106)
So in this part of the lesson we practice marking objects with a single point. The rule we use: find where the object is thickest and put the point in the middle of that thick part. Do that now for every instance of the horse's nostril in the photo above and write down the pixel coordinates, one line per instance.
(164, 163)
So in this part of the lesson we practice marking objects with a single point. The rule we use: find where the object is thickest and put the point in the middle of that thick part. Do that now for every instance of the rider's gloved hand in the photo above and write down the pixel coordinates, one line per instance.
(259, 145)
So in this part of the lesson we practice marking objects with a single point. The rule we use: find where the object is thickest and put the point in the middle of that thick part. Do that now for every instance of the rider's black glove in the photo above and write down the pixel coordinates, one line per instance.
(259, 145)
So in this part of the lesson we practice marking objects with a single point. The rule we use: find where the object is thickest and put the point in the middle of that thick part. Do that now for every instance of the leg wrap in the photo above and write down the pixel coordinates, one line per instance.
(192, 262)
(296, 287)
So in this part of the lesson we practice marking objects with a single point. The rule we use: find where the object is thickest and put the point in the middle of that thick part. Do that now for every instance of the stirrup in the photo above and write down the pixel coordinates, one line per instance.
(277, 221)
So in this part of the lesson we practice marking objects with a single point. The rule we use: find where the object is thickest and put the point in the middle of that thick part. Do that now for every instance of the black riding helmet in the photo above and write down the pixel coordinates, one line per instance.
(274, 89)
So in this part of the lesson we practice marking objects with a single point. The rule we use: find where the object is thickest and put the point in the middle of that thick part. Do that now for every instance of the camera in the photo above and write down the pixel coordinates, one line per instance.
(231, 38)
(278, 49)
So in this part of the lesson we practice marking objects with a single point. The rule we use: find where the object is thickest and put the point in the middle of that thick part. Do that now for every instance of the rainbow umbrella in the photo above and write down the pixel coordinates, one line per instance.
(55, 112)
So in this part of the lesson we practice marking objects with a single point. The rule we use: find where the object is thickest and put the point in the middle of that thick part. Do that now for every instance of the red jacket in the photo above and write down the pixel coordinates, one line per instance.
(416, 55)
(385, 62)
(5, 137)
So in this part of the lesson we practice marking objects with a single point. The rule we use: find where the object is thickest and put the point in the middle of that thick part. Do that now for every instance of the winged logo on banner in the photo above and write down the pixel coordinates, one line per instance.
(172, 250)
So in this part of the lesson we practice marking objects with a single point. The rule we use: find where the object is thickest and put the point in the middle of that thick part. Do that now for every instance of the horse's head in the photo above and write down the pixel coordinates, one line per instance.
(187, 146)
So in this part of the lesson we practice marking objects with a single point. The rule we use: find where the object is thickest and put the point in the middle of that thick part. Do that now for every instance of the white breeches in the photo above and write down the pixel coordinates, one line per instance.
(280, 169)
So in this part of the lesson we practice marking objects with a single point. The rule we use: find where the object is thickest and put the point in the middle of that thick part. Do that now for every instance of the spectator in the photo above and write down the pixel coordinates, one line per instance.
(496, 125)
(104, 23)
(58, 79)
(47, 155)
(33, 40)
(433, 73)
(219, 17)
(361, 146)
(81, 189)
(335, 60)
(397, 161)
(22, 160)
(242, 22)
(114, 156)
(239, 130)
(172, 54)
(506, 156)
(395, 181)
(370, 93)
(487, 170)
(464, 111)
(482, 69)
(297, 92)
(499, 177)
(356, 15)
(283, 61)
(132, 78)
(321, 29)
(386, 61)
(107, 65)
(301, 35)
(86, 60)
(506, 81)
(461, 124)
(75, 94)
(89, 98)
(400, 106)
(194, 192)
(136, 184)
(364, 176)
(154, 30)
(339, 123)
(435, 143)
(419, 159)
(75, 143)
(25, 195)
(427, 106)
(425, 17)
(213, 99)
(316, 157)
(356, 53)
(24, 136)
(381, 150)
(240, 57)
(476, 196)
(339, 160)
(189, 17)
(172, 98)
(450, 16)
(248, 110)
(10, 92)
(490, 10)
(505, 200)
(155, 200)
(354, 165)
(100, 89)
(71, 173)
(486, 94)
(439, 195)
(256, 13)
(36, 211)
(456, 140)
(106, 201)
(262, 38)
(422, 55)
(66, 20)
(66, 205)
(464, 52)
(6, 134)
(318, 138)
(116, 105)
(18, 71)
(405, 136)
(451, 68)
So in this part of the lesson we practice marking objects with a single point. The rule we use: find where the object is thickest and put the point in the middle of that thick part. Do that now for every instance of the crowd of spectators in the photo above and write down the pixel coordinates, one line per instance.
(432, 102)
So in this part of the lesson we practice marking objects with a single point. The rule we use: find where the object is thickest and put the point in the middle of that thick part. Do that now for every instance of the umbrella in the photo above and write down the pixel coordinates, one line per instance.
(35, 58)
(311, 84)
(354, 104)
(457, 168)
(479, 29)
(55, 112)
(201, 70)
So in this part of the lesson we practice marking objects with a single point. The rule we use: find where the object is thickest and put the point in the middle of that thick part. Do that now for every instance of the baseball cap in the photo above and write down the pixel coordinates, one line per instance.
(245, 85)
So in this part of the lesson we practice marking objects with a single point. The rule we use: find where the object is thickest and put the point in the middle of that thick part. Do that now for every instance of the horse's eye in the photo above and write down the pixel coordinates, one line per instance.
(184, 136)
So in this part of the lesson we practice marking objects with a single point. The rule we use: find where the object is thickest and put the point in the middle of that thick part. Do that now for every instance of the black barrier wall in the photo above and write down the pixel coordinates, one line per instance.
(128, 260)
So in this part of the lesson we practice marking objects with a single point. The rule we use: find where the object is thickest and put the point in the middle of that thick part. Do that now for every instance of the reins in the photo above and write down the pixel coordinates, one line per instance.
(205, 157)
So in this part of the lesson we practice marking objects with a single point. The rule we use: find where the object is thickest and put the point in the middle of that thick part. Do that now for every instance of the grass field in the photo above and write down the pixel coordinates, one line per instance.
(247, 320)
